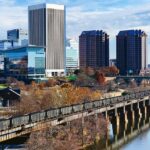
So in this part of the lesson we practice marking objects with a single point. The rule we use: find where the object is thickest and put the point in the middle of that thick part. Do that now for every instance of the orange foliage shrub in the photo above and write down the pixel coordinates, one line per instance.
(74, 95)
(51, 82)
(100, 77)
(113, 70)
(89, 71)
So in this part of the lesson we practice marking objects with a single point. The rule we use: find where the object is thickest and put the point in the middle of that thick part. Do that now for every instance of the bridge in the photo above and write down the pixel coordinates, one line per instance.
(127, 132)
(113, 109)
(138, 79)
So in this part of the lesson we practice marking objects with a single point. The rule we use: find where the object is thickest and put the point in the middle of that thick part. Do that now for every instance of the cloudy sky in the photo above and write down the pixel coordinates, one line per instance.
(108, 15)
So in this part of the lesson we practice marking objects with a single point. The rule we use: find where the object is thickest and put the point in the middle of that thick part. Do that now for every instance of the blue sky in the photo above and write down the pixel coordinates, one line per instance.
(108, 15)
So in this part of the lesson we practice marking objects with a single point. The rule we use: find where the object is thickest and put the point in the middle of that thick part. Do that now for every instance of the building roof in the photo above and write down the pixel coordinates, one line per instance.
(46, 5)
(131, 33)
(18, 47)
(2, 41)
(93, 32)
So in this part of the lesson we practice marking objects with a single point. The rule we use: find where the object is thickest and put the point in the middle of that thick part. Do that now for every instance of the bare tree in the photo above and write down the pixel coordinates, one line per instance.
(74, 135)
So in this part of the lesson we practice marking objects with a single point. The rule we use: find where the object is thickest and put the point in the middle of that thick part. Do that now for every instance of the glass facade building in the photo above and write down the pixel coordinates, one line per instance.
(24, 62)
(94, 49)
(131, 51)
(72, 56)
(4, 44)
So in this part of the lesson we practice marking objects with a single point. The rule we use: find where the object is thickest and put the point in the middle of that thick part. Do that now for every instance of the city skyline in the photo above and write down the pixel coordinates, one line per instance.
(108, 16)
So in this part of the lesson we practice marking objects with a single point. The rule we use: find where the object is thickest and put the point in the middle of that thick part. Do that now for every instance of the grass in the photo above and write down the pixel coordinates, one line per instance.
(72, 78)
(3, 86)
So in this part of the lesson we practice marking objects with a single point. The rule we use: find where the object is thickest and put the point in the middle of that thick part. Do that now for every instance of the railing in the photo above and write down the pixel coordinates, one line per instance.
(58, 113)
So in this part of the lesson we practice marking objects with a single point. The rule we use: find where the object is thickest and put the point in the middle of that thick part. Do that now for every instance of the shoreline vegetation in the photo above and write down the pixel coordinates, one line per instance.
(75, 135)
(61, 91)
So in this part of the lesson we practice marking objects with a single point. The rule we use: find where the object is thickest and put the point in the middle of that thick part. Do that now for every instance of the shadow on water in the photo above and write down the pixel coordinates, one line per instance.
(120, 137)
(15, 142)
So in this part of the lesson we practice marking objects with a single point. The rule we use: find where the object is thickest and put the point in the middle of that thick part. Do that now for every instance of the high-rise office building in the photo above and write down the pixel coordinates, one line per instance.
(17, 37)
(94, 49)
(131, 51)
(72, 55)
(47, 28)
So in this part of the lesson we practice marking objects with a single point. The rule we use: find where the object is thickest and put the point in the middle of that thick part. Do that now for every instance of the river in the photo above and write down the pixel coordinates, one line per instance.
(134, 135)
(142, 142)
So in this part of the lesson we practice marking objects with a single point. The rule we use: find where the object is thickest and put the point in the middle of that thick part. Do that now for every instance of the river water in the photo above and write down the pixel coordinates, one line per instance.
(142, 142)
(134, 135)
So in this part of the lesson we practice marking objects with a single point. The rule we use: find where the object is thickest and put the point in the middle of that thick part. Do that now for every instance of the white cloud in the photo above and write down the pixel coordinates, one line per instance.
(84, 15)
(111, 21)
(11, 16)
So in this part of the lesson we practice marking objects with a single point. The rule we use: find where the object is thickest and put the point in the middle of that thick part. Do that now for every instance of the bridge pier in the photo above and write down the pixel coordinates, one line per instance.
(116, 123)
(125, 117)
(144, 112)
(116, 131)
(116, 117)
(138, 111)
(117, 120)
(132, 117)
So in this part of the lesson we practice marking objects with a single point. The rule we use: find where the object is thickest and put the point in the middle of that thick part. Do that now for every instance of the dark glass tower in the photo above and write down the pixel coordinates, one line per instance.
(94, 49)
(131, 51)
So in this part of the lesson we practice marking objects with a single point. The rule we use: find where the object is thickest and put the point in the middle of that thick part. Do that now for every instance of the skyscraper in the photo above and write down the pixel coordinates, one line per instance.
(94, 49)
(131, 51)
(47, 28)
(72, 55)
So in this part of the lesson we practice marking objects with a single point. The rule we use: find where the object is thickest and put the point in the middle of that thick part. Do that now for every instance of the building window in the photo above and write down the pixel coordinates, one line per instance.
(53, 73)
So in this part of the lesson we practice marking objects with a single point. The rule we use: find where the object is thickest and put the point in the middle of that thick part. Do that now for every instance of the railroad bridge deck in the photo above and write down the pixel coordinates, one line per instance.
(112, 108)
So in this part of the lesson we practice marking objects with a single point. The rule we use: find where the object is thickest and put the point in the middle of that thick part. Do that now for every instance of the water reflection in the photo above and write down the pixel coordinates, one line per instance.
(131, 135)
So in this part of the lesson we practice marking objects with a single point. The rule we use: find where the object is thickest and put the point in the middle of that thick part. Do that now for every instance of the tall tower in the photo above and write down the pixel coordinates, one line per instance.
(131, 51)
(47, 28)
(94, 49)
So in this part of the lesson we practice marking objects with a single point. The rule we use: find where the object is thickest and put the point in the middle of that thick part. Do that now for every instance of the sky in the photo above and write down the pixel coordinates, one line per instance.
(108, 15)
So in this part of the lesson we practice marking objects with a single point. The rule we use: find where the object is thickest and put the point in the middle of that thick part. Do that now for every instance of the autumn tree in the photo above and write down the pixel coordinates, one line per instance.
(51, 83)
(89, 71)
(132, 84)
(114, 70)
(21, 85)
(34, 85)
(39, 141)
(42, 85)
(85, 80)
(100, 77)
(11, 80)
